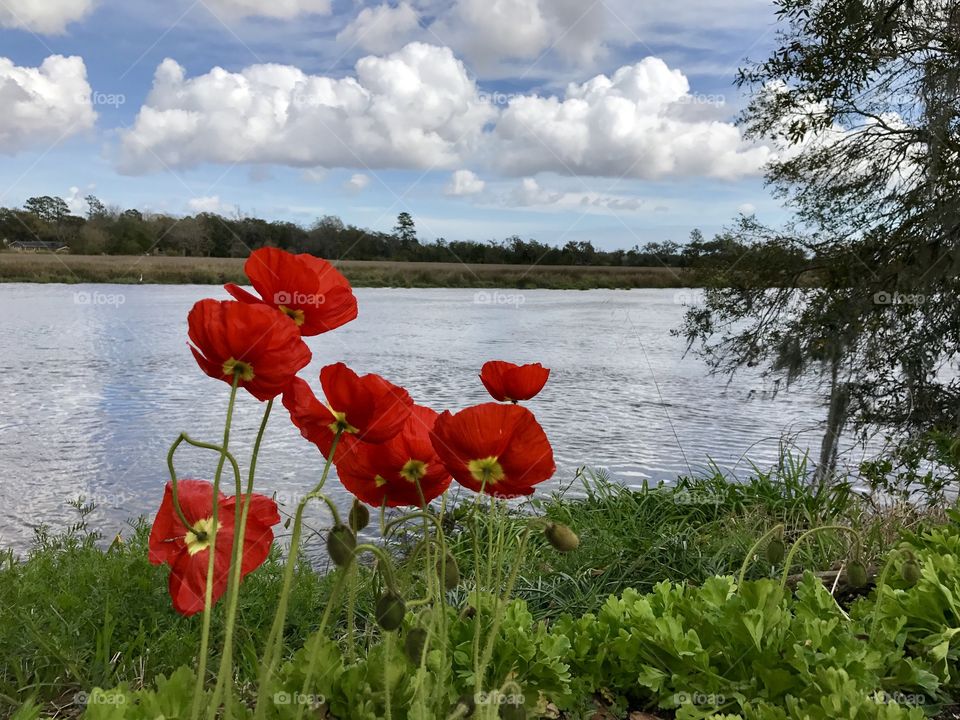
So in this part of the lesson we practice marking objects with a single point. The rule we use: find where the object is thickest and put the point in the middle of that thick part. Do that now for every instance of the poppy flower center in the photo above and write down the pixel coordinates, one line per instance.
(198, 539)
(296, 315)
(486, 471)
(340, 423)
(243, 369)
(413, 470)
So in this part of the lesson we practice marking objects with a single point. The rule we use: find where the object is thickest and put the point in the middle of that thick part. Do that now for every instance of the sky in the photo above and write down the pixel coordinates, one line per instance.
(560, 120)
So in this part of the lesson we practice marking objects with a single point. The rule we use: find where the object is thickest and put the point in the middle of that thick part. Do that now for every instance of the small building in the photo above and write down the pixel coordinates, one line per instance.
(37, 246)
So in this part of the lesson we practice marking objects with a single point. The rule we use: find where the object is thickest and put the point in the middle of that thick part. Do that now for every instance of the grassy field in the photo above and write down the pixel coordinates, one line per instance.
(47, 267)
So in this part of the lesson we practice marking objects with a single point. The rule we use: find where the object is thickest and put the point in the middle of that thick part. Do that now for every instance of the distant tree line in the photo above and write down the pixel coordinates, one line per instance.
(112, 231)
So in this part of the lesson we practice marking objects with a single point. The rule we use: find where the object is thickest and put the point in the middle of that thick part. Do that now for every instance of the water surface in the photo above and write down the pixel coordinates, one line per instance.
(97, 381)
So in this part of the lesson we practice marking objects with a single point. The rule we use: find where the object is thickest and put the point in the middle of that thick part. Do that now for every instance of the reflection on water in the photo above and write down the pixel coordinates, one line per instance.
(97, 381)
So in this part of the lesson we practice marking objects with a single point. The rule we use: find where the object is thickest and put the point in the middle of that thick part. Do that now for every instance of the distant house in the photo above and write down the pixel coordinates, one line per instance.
(37, 246)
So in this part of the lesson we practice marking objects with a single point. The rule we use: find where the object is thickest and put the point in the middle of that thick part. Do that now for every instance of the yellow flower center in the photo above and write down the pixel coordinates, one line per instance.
(413, 470)
(199, 540)
(238, 367)
(295, 315)
(340, 423)
(379, 481)
(486, 471)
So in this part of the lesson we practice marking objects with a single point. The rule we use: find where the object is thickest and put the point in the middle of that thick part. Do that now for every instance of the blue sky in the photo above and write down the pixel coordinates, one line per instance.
(555, 119)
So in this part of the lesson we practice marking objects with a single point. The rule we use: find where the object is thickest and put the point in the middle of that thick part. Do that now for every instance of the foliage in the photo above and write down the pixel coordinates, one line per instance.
(859, 290)
(754, 652)
(129, 232)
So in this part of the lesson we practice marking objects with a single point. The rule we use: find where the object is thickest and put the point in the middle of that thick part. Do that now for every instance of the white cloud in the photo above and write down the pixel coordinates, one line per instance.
(529, 194)
(633, 124)
(415, 108)
(210, 204)
(381, 29)
(419, 109)
(464, 182)
(43, 104)
(49, 17)
(279, 9)
(488, 32)
(314, 175)
(357, 182)
(747, 209)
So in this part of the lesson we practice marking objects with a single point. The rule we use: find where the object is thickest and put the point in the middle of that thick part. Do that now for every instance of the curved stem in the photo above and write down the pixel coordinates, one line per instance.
(384, 562)
(274, 645)
(212, 553)
(233, 589)
(809, 533)
(756, 546)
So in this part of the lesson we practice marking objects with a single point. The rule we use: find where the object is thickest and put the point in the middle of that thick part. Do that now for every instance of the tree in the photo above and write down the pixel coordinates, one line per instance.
(860, 290)
(49, 209)
(406, 231)
(95, 209)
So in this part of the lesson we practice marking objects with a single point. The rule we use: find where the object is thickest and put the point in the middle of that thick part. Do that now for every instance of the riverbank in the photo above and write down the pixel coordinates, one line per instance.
(127, 269)
(587, 623)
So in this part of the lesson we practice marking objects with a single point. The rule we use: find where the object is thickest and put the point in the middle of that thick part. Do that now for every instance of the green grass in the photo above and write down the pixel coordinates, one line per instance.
(77, 615)
(701, 527)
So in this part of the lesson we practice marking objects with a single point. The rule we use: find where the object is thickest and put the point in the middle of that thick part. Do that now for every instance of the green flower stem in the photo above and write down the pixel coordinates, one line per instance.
(351, 612)
(756, 546)
(499, 613)
(412, 516)
(384, 563)
(274, 645)
(809, 533)
(387, 648)
(233, 589)
(342, 578)
(212, 551)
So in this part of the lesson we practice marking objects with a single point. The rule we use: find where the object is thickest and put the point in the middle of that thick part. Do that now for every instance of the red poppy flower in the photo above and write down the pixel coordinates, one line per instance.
(500, 449)
(254, 341)
(187, 551)
(366, 408)
(506, 381)
(310, 291)
(391, 471)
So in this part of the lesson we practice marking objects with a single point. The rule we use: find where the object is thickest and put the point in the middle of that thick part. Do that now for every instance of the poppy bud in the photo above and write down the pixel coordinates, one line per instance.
(359, 516)
(341, 542)
(414, 644)
(513, 711)
(910, 572)
(775, 551)
(561, 537)
(390, 611)
(856, 574)
(450, 571)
